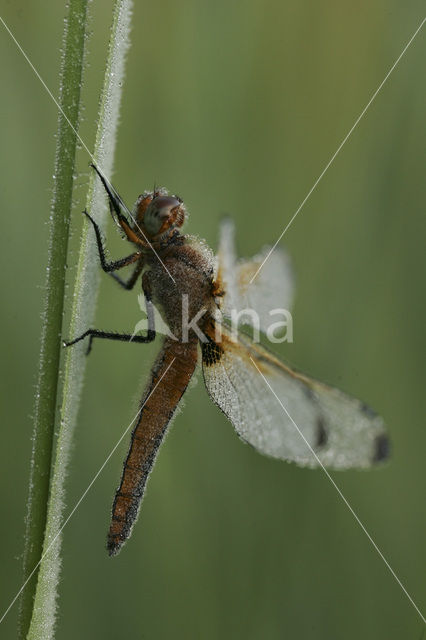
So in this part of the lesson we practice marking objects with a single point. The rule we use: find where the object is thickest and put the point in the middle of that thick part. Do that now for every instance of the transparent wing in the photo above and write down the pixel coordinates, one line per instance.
(273, 287)
(339, 431)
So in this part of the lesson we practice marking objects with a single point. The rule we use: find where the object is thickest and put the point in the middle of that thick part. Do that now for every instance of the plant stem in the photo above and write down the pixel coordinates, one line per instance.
(47, 385)
(82, 313)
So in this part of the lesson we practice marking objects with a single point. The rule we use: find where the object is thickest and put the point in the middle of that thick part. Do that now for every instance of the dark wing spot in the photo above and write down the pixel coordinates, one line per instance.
(308, 393)
(369, 412)
(211, 352)
(321, 434)
(381, 448)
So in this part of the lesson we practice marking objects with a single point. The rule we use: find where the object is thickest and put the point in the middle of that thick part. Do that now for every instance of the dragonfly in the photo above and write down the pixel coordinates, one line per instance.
(334, 430)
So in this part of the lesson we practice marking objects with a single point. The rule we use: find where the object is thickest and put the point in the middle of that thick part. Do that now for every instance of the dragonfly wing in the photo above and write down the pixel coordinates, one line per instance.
(171, 374)
(226, 264)
(332, 428)
(272, 288)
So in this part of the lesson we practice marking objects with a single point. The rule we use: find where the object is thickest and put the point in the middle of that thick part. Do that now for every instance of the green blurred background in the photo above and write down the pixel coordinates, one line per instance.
(236, 106)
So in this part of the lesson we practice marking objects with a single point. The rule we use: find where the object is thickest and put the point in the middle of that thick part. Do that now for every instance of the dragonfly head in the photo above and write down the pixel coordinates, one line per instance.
(159, 212)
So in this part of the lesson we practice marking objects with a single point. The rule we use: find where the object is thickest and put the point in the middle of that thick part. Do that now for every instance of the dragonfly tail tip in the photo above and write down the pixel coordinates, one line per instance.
(113, 546)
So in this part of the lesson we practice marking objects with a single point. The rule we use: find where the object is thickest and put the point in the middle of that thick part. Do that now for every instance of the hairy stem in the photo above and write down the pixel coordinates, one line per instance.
(47, 385)
(82, 312)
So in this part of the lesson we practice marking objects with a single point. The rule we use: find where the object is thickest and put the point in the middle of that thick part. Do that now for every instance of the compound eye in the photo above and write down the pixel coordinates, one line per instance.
(159, 210)
(162, 203)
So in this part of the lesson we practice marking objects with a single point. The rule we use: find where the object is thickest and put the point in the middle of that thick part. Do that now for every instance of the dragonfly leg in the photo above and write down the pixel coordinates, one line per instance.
(110, 267)
(130, 283)
(114, 200)
(123, 337)
(111, 335)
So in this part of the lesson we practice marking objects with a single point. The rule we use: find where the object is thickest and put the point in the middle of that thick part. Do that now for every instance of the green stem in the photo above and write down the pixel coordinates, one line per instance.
(47, 386)
(82, 313)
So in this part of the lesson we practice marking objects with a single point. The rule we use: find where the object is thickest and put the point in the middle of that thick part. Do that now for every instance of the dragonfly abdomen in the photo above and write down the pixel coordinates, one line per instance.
(175, 366)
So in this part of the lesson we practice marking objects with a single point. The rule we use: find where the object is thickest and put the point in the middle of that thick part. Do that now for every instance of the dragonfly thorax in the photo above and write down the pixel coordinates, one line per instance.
(184, 291)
